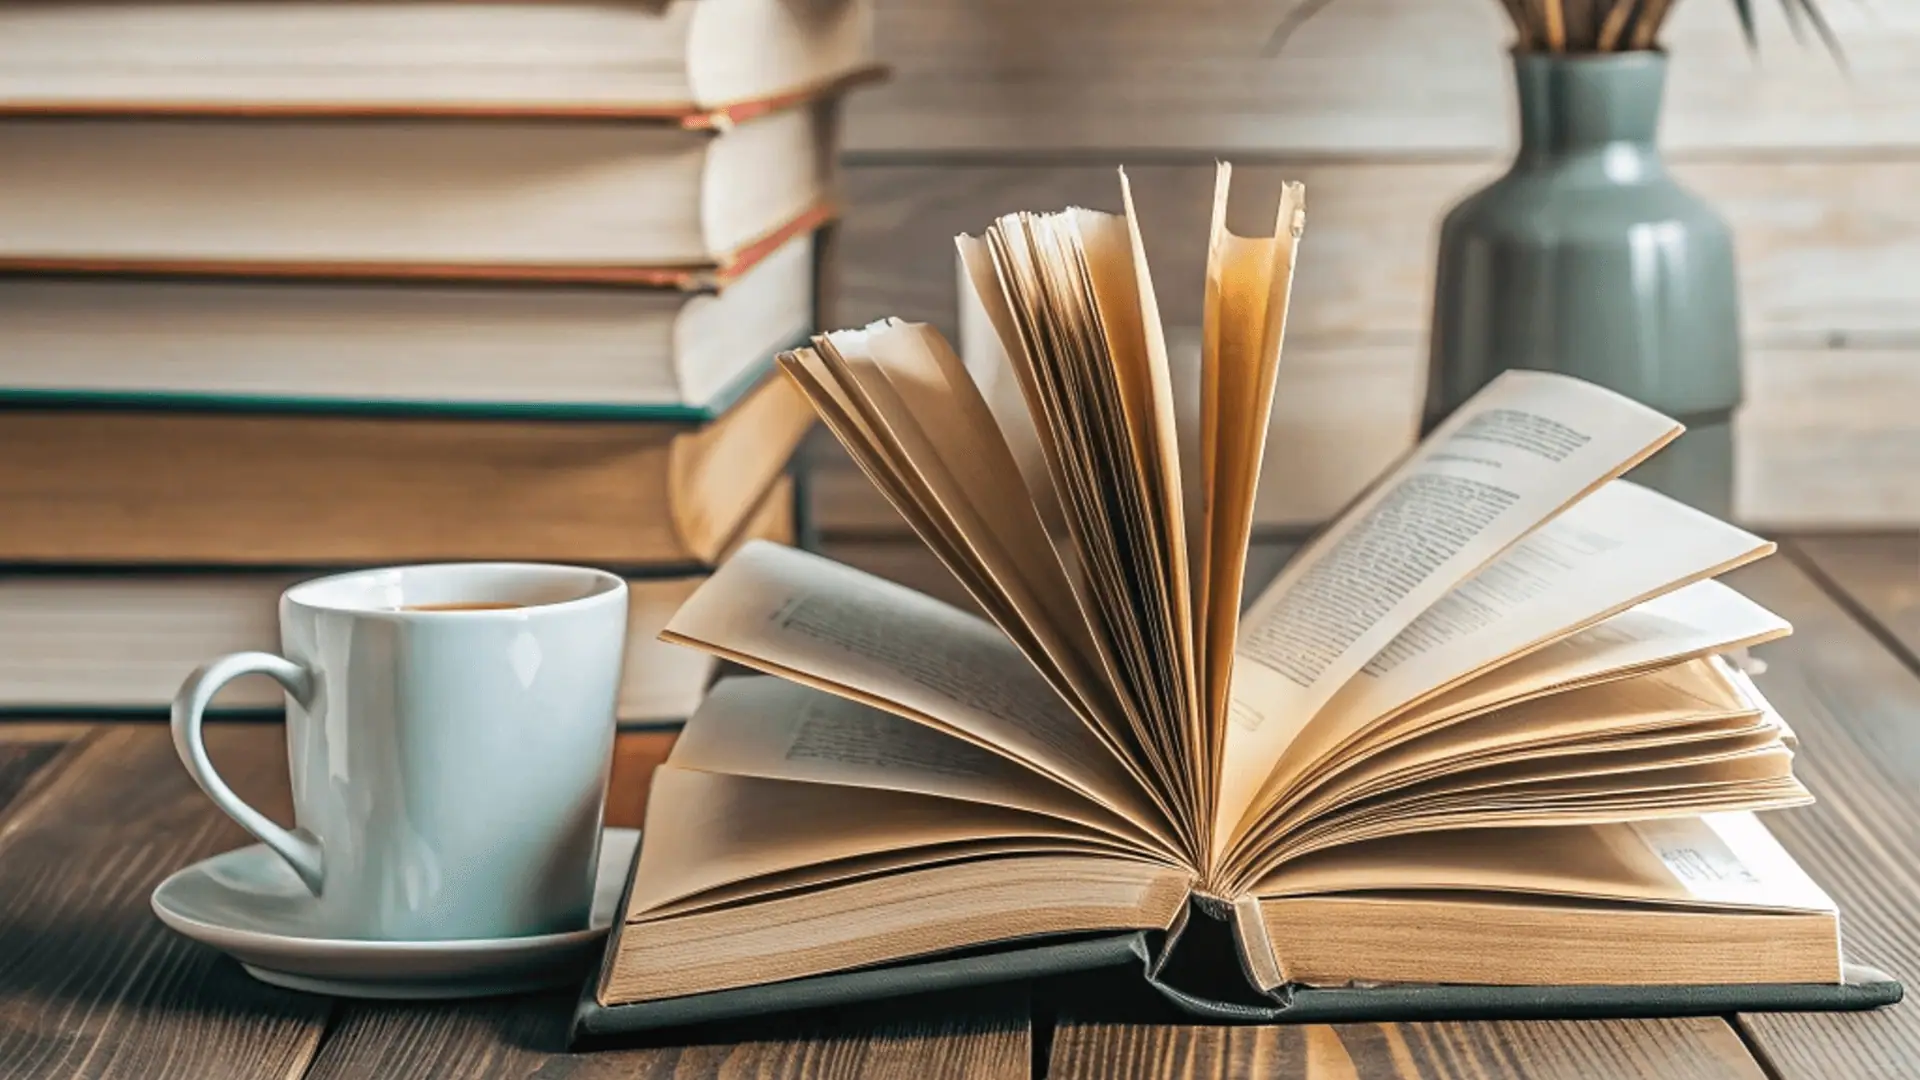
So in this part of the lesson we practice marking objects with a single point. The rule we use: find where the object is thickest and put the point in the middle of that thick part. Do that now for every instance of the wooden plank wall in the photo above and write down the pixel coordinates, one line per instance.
(1390, 110)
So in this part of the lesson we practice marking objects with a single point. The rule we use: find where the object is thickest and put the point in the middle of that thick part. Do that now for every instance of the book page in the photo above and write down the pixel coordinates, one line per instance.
(806, 618)
(836, 409)
(920, 395)
(1030, 423)
(1667, 776)
(867, 867)
(1498, 739)
(1666, 716)
(1073, 398)
(780, 730)
(939, 434)
(1677, 704)
(1215, 366)
(1136, 352)
(1743, 683)
(1249, 288)
(1720, 860)
(1515, 455)
(1731, 859)
(1705, 617)
(910, 496)
(1600, 862)
(718, 830)
(1597, 775)
(1613, 549)
(1098, 404)
(1615, 787)
(988, 352)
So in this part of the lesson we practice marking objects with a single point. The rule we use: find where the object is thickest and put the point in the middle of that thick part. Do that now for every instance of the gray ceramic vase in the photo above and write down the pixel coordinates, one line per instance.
(1587, 258)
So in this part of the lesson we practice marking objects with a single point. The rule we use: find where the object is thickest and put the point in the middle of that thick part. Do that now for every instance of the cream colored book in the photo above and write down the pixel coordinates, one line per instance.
(561, 200)
(675, 59)
(1478, 732)
(420, 348)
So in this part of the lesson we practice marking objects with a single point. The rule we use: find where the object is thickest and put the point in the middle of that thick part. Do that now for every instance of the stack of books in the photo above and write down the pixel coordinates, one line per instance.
(294, 286)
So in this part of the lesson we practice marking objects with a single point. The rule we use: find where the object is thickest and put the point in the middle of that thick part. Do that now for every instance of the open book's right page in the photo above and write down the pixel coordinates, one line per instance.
(1513, 457)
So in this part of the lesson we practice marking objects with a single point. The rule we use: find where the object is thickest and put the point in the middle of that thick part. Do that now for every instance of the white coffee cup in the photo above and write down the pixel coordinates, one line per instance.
(449, 767)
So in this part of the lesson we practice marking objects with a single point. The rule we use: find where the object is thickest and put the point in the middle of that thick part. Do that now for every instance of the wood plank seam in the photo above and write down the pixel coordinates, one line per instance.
(1851, 699)
(96, 985)
(1848, 603)
(329, 1030)
(44, 784)
(1767, 1065)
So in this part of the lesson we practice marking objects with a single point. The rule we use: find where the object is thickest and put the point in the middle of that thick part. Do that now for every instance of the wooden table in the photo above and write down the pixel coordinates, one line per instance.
(92, 816)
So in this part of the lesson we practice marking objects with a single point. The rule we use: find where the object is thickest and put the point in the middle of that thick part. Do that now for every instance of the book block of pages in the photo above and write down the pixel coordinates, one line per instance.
(1479, 733)
(578, 352)
(675, 58)
(558, 199)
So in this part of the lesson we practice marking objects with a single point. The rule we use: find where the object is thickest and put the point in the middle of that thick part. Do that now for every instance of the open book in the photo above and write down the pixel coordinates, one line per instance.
(1478, 732)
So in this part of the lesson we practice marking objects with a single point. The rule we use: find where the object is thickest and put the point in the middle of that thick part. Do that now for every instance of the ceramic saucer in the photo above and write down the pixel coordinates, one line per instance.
(248, 904)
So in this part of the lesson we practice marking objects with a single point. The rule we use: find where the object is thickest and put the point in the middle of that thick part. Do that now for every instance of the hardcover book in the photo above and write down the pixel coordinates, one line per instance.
(403, 348)
(510, 199)
(1476, 749)
(201, 488)
(699, 63)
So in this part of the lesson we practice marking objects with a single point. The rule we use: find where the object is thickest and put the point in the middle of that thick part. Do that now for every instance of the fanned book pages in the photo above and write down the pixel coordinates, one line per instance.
(1477, 734)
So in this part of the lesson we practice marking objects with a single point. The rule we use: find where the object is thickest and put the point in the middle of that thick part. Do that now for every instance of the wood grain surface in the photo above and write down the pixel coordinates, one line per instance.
(91, 984)
(1361, 77)
(32, 754)
(1686, 1049)
(23, 763)
(519, 1037)
(1877, 576)
(1856, 708)
(1830, 438)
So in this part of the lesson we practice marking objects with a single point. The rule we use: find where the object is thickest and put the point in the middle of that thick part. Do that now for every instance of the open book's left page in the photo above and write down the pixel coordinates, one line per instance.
(794, 833)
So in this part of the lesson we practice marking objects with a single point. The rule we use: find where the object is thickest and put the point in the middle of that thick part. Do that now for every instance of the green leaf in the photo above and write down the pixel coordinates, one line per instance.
(1745, 9)
(1822, 28)
(1795, 21)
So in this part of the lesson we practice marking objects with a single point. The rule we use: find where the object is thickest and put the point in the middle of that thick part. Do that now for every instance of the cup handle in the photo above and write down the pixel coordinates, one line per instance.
(190, 703)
